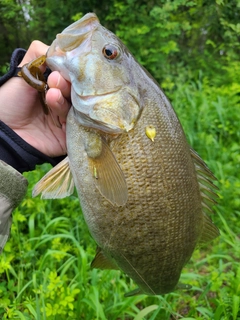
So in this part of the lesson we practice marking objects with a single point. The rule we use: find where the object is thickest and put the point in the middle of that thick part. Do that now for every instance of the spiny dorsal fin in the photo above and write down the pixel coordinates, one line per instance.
(102, 262)
(57, 183)
(209, 196)
(109, 177)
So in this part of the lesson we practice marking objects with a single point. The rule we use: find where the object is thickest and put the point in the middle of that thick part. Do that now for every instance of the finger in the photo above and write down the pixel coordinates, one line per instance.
(35, 50)
(55, 80)
(58, 104)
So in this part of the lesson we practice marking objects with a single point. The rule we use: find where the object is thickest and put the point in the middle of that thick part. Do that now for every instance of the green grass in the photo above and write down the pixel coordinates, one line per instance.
(45, 267)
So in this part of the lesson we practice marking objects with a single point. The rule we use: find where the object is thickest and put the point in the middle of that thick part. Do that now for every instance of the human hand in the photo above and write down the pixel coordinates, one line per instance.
(21, 108)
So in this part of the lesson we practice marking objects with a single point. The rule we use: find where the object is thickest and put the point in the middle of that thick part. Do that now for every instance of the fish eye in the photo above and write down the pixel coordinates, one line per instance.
(110, 52)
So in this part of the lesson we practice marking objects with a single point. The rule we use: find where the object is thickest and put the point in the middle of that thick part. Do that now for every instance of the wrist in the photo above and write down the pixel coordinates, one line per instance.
(18, 153)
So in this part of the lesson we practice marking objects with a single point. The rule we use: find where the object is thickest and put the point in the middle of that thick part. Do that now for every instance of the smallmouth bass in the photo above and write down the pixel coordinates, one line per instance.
(144, 192)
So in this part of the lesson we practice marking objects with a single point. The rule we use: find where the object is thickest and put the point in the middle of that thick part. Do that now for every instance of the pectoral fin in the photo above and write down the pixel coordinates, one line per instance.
(57, 183)
(102, 262)
(109, 177)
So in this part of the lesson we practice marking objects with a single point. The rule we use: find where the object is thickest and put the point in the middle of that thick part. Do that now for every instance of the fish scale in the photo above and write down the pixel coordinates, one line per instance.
(137, 179)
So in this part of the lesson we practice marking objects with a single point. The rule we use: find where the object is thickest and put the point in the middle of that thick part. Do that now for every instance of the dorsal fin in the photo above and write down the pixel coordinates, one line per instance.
(208, 195)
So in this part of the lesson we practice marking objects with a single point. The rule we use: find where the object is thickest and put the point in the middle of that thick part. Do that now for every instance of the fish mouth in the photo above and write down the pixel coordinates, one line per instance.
(76, 34)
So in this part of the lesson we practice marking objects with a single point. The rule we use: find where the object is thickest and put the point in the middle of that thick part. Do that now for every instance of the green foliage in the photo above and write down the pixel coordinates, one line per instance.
(167, 37)
(191, 48)
(14, 32)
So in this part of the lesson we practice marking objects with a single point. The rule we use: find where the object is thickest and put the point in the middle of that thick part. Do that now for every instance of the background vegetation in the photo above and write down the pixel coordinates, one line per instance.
(192, 49)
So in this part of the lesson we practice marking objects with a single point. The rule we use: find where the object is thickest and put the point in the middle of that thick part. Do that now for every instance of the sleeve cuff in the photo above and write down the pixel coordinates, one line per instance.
(19, 154)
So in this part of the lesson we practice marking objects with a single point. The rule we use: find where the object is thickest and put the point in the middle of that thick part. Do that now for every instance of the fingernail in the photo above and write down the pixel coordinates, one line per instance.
(60, 98)
(58, 80)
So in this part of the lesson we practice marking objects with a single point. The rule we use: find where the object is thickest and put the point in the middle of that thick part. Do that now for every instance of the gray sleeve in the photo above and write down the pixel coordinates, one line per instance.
(13, 187)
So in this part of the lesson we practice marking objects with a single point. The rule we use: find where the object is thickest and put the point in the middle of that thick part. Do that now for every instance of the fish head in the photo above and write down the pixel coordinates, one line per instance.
(101, 70)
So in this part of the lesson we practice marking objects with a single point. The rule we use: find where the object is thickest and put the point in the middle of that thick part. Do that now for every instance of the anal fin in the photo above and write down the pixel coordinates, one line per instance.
(57, 183)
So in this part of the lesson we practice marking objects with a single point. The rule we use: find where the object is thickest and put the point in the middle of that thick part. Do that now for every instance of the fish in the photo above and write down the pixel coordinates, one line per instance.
(145, 194)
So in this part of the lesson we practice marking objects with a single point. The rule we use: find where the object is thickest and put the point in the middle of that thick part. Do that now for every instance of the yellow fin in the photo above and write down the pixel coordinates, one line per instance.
(102, 262)
(57, 183)
(109, 177)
